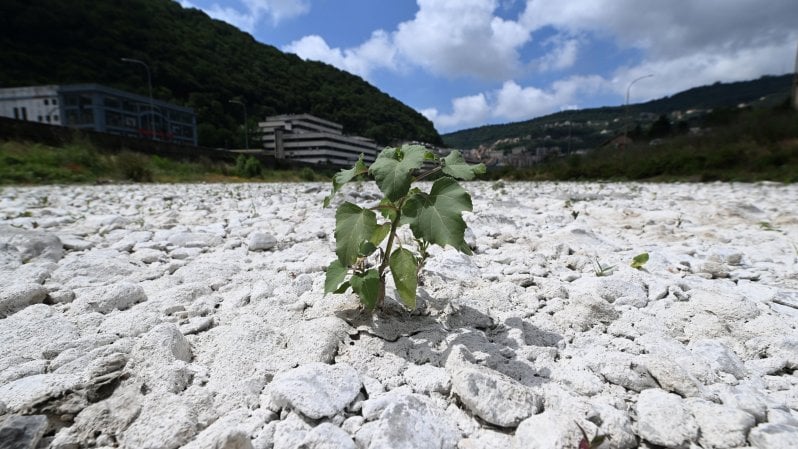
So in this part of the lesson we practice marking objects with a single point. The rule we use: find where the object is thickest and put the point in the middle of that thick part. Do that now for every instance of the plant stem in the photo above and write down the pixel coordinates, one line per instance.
(424, 175)
(386, 257)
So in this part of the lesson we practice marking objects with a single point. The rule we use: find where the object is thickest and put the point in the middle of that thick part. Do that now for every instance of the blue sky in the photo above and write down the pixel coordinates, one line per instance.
(466, 63)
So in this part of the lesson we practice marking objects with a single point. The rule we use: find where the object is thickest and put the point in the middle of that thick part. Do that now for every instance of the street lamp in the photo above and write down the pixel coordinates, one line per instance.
(246, 134)
(149, 85)
(629, 89)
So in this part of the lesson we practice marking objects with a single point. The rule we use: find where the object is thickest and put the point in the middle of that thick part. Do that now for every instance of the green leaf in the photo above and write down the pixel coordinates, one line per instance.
(367, 248)
(367, 287)
(639, 260)
(343, 288)
(437, 217)
(380, 233)
(344, 176)
(353, 226)
(393, 169)
(455, 166)
(404, 269)
(336, 274)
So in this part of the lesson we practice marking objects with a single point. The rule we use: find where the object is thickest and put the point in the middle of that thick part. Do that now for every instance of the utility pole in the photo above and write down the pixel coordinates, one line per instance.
(246, 133)
(149, 86)
(795, 84)
(628, 118)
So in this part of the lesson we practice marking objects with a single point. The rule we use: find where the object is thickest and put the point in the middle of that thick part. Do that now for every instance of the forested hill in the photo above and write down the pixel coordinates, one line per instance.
(196, 61)
(766, 90)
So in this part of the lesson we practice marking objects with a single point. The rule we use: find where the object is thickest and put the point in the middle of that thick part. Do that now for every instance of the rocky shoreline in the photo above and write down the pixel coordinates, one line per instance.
(169, 316)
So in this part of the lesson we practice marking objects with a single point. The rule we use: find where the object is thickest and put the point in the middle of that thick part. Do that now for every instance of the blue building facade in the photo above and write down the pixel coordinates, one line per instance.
(100, 108)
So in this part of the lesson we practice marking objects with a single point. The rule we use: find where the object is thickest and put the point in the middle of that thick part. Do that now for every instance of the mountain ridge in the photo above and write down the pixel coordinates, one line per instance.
(716, 95)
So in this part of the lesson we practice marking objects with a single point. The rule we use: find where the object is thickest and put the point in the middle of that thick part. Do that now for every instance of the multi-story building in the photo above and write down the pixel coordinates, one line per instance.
(313, 140)
(100, 108)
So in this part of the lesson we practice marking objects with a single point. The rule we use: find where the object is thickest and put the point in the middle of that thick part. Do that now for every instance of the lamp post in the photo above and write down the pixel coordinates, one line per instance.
(149, 86)
(628, 90)
(246, 133)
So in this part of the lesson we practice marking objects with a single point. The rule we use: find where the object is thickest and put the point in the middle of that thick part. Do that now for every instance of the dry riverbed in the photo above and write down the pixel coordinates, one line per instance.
(168, 316)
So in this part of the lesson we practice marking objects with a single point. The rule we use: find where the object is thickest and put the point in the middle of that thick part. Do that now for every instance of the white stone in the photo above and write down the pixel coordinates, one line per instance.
(261, 241)
(327, 436)
(316, 390)
(552, 430)
(720, 426)
(165, 422)
(15, 297)
(773, 436)
(411, 422)
(663, 418)
(494, 397)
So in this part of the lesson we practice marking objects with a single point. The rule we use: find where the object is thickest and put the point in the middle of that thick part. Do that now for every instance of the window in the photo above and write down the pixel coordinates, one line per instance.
(55, 102)
(46, 102)
(55, 118)
(24, 113)
(16, 113)
(41, 119)
(48, 119)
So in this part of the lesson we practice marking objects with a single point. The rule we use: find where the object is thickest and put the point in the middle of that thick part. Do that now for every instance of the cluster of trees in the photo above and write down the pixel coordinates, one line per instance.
(195, 61)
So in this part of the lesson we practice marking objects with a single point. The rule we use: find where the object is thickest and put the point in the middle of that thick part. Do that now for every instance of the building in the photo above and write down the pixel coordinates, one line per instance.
(99, 108)
(313, 140)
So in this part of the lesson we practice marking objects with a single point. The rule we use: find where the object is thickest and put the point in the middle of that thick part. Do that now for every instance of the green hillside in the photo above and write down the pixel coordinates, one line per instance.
(195, 61)
(587, 124)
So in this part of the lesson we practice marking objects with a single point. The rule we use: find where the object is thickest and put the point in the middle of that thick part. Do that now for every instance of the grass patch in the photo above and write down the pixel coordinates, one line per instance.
(25, 163)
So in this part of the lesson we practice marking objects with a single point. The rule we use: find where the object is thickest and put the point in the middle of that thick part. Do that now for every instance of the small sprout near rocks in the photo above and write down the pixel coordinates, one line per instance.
(602, 270)
(575, 214)
(587, 443)
(434, 217)
(639, 260)
(767, 226)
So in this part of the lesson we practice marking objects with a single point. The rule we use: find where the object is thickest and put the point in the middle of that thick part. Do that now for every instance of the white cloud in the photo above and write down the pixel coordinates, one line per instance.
(513, 102)
(562, 57)
(377, 52)
(451, 38)
(470, 110)
(254, 12)
(462, 37)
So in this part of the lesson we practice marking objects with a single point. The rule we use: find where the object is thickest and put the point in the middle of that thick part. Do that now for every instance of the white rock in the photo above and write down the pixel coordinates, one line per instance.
(426, 379)
(671, 376)
(290, 432)
(226, 432)
(316, 390)
(261, 241)
(720, 425)
(551, 430)
(494, 397)
(663, 418)
(411, 422)
(773, 436)
(194, 239)
(32, 245)
(719, 356)
(15, 297)
(165, 422)
(28, 333)
(108, 298)
(327, 436)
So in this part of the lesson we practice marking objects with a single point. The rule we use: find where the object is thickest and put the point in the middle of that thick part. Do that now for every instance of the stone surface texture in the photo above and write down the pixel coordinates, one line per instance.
(194, 316)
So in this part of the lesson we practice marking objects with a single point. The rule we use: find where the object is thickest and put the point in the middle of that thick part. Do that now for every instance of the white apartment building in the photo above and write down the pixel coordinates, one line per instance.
(310, 139)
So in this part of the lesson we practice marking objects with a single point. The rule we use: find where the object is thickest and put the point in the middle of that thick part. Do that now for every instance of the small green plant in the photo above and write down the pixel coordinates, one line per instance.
(435, 218)
(767, 226)
(587, 443)
(600, 269)
(639, 260)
